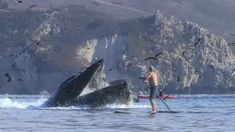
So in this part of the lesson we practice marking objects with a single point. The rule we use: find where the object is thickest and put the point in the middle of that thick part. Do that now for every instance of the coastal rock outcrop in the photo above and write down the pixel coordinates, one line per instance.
(54, 45)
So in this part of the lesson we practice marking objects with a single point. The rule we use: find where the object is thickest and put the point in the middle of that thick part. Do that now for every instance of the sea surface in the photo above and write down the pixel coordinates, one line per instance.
(199, 113)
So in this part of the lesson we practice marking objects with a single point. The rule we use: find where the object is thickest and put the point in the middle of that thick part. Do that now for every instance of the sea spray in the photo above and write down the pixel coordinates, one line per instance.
(8, 103)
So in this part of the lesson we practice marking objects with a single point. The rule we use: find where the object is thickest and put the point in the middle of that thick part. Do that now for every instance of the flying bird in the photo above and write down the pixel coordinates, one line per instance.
(212, 67)
(158, 54)
(198, 41)
(149, 58)
(20, 80)
(153, 57)
(34, 5)
(233, 43)
(110, 69)
(8, 77)
(184, 52)
(178, 78)
(200, 77)
(173, 68)
(19, 1)
(37, 43)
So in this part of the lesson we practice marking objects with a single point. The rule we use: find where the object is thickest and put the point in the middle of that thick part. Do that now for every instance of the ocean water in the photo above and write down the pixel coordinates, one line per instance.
(197, 113)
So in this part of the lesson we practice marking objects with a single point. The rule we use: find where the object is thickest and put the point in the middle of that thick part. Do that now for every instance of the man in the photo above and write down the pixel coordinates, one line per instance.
(153, 79)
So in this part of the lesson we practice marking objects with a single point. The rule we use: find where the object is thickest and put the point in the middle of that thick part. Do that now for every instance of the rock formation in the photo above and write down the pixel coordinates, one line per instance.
(53, 45)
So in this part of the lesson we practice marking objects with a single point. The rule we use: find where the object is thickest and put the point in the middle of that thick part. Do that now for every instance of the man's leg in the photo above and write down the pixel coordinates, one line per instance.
(152, 102)
(155, 98)
(152, 98)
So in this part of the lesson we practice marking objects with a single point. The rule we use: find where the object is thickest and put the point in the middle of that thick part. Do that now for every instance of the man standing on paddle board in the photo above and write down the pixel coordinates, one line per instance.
(153, 79)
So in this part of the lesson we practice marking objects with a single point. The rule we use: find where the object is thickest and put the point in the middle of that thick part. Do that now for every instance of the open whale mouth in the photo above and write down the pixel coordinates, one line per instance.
(69, 92)
(71, 88)
(97, 80)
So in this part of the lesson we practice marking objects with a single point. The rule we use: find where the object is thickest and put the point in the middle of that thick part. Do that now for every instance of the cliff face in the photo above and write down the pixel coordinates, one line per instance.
(192, 57)
(39, 48)
(54, 45)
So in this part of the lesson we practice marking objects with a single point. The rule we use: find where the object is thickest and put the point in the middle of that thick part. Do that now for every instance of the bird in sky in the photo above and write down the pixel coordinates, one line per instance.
(20, 80)
(212, 67)
(34, 5)
(184, 52)
(233, 43)
(158, 54)
(198, 41)
(150, 58)
(8, 77)
(37, 43)
(153, 57)
(19, 1)
(110, 69)
(178, 78)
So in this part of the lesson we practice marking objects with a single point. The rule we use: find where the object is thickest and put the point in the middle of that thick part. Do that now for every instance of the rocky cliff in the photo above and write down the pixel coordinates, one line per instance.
(192, 58)
(40, 49)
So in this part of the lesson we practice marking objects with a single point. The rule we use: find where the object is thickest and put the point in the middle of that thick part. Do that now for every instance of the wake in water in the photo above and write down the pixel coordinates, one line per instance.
(14, 103)
(193, 103)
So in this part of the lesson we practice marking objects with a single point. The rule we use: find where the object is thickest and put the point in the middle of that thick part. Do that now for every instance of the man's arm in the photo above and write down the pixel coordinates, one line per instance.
(148, 76)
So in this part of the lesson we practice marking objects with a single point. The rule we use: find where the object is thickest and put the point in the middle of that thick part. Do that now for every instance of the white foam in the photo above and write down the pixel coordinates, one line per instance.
(134, 105)
(113, 106)
(12, 103)
(7, 103)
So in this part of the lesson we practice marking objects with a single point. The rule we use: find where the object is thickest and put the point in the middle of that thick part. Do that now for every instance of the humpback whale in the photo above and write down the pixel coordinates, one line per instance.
(118, 92)
(68, 93)
(73, 86)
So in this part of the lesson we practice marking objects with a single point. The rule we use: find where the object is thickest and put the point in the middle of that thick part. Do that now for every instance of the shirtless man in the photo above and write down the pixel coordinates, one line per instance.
(153, 79)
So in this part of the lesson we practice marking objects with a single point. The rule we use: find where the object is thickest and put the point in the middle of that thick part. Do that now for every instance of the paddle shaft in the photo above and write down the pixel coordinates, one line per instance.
(164, 103)
(162, 100)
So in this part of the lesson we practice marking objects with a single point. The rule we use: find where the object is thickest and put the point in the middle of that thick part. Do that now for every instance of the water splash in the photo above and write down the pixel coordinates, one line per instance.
(29, 103)
(8, 103)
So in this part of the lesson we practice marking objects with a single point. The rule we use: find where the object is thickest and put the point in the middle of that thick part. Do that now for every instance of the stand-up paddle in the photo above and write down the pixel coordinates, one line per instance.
(153, 78)
(164, 103)
(161, 100)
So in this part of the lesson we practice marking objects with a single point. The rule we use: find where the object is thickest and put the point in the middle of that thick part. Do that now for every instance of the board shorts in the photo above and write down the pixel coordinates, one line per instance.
(153, 92)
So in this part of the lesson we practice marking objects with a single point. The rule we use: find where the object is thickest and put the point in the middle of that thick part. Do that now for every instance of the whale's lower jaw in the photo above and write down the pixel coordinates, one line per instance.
(118, 93)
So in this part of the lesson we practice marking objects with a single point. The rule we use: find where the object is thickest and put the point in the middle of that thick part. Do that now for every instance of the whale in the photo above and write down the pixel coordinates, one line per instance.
(69, 92)
(119, 92)
(72, 87)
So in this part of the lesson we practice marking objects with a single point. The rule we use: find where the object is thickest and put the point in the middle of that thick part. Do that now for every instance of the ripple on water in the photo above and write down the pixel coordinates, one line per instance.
(200, 113)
